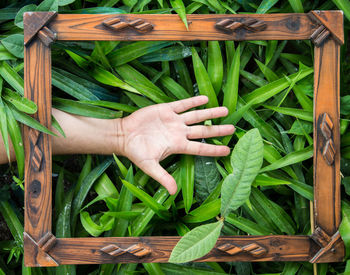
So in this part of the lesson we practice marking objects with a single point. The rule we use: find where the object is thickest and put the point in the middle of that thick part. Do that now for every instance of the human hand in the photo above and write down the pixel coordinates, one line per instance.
(151, 134)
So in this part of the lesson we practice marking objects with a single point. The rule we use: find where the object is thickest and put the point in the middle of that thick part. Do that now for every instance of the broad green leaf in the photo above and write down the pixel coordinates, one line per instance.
(48, 5)
(105, 187)
(344, 228)
(196, 243)
(21, 103)
(167, 54)
(231, 87)
(29, 121)
(298, 113)
(300, 127)
(11, 77)
(265, 5)
(159, 209)
(17, 142)
(12, 222)
(187, 180)
(142, 84)
(108, 78)
(206, 177)
(273, 211)
(204, 212)
(86, 185)
(94, 229)
(246, 225)
(112, 105)
(291, 158)
(19, 15)
(82, 109)
(246, 160)
(135, 50)
(63, 80)
(14, 43)
(204, 84)
(215, 65)
(262, 94)
(3, 129)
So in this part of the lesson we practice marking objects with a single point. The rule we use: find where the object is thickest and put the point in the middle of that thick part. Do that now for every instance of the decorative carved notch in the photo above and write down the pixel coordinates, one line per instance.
(37, 252)
(37, 156)
(328, 148)
(327, 243)
(35, 25)
(254, 249)
(139, 250)
(117, 24)
(249, 24)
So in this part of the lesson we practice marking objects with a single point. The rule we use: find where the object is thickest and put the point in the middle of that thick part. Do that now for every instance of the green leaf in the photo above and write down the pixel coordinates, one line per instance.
(301, 128)
(48, 5)
(64, 81)
(204, 84)
(167, 54)
(231, 87)
(206, 177)
(108, 78)
(215, 65)
(31, 122)
(265, 5)
(204, 212)
(105, 224)
(179, 8)
(86, 185)
(14, 43)
(291, 158)
(344, 228)
(82, 109)
(187, 180)
(19, 15)
(246, 225)
(135, 50)
(262, 94)
(298, 113)
(21, 103)
(246, 160)
(11, 77)
(3, 128)
(17, 142)
(196, 243)
(159, 209)
(112, 105)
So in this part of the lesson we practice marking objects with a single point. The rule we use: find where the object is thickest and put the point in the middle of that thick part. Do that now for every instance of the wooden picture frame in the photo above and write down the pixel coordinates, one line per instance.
(324, 28)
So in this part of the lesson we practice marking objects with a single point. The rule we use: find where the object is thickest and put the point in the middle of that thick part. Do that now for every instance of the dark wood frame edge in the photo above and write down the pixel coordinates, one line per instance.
(42, 248)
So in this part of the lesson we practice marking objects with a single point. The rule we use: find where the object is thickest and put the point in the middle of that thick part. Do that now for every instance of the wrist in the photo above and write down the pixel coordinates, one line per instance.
(118, 137)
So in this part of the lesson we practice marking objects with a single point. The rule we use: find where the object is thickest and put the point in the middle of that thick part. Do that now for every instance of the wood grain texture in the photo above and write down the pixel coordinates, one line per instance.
(87, 250)
(33, 22)
(333, 21)
(326, 100)
(37, 87)
(170, 27)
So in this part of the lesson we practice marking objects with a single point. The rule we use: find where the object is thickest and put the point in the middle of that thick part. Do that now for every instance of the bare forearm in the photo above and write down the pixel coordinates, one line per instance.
(84, 135)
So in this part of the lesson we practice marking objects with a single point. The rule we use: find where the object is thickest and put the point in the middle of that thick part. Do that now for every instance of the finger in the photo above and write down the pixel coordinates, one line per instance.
(204, 149)
(201, 115)
(188, 103)
(200, 131)
(157, 172)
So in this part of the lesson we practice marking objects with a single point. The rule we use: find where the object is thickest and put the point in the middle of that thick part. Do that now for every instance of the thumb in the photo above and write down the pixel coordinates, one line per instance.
(157, 172)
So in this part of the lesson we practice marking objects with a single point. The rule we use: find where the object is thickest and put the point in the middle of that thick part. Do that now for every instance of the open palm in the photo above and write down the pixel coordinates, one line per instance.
(153, 133)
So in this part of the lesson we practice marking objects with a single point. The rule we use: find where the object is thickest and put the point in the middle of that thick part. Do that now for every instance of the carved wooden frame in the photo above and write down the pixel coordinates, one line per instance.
(324, 28)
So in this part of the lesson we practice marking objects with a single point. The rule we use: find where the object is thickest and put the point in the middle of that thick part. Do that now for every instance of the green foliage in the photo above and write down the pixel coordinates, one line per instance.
(196, 243)
(246, 161)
